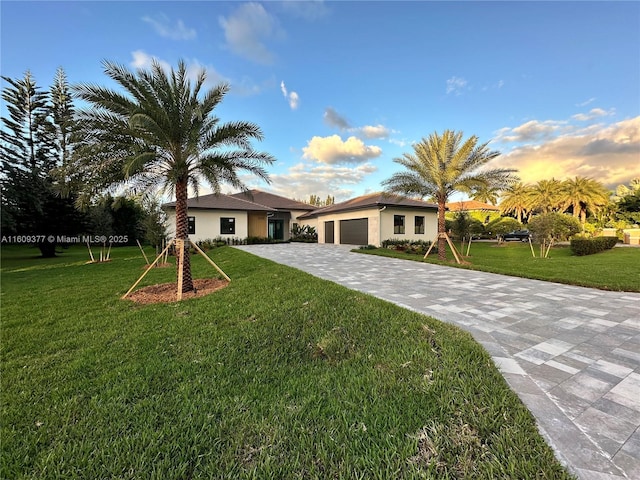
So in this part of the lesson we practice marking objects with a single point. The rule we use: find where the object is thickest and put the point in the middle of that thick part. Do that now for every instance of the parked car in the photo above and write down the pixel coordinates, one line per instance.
(519, 235)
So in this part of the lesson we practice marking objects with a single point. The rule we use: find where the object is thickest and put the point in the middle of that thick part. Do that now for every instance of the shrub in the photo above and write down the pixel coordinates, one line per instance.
(305, 233)
(589, 246)
(418, 247)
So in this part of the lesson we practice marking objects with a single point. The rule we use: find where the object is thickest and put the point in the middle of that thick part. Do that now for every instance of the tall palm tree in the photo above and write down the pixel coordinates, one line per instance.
(443, 164)
(517, 200)
(162, 133)
(584, 195)
(546, 196)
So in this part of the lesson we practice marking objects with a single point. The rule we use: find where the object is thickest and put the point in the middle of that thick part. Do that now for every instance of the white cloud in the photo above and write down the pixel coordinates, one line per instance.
(333, 150)
(247, 30)
(586, 102)
(594, 113)
(161, 25)
(456, 85)
(374, 131)
(607, 153)
(292, 97)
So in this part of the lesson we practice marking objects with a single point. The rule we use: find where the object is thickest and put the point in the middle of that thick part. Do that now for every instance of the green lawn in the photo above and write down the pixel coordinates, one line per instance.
(616, 269)
(279, 375)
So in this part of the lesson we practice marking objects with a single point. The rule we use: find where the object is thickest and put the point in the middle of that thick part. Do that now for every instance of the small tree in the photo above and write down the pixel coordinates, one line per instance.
(500, 226)
(552, 227)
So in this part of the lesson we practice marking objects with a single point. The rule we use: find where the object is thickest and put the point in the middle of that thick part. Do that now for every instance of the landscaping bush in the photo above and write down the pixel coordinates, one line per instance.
(417, 247)
(305, 234)
(589, 246)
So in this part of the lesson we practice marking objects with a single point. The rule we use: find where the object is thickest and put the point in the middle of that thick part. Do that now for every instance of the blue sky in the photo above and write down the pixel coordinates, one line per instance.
(340, 89)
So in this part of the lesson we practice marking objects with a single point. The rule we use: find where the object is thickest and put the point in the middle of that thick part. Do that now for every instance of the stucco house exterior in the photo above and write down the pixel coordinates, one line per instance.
(371, 219)
(241, 215)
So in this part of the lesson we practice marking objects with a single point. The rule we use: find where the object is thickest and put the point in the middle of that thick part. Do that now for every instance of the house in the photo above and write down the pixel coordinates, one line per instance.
(248, 214)
(287, 211)
(370, 219)
(484, 212)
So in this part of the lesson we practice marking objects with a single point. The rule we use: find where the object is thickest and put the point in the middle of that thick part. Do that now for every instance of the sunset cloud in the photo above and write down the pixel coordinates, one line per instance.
(304, 179)
(607, 153)
(335, 120)
(333, 150)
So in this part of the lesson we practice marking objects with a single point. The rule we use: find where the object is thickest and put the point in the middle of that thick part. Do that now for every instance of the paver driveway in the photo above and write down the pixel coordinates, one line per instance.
(572, 354)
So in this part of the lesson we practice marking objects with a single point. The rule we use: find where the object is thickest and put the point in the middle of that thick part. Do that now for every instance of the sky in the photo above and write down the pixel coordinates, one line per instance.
(340, 89)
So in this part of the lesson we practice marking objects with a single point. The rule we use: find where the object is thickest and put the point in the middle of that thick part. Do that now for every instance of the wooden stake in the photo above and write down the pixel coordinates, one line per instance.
(180, 245)
(210, 261)
(532, 250)
(90, 252)
(147, 270)
(455, 252)
(142, 250)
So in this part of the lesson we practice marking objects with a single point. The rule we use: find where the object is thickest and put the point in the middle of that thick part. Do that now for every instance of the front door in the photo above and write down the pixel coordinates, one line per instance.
(276, 229)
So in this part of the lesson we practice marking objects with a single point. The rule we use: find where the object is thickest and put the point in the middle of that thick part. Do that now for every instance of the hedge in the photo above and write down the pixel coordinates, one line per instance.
(589, 246)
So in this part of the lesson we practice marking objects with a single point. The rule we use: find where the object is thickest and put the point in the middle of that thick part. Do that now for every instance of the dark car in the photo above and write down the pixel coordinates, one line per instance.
(519, 235)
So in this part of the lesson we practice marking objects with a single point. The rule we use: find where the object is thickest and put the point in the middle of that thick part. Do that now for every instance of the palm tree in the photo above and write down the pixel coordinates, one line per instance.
(546, 196)
(443, 164)
(162, 133)
(486, 195)
(584, 195)
(517, 200)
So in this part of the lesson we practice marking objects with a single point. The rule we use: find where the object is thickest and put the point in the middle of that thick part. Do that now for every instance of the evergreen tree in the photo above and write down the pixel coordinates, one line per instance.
(32, 147)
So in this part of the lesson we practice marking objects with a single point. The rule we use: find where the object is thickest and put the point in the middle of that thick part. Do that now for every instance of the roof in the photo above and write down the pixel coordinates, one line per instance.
(273, 201)
(222, 202)
(377, 200)
(471, 205)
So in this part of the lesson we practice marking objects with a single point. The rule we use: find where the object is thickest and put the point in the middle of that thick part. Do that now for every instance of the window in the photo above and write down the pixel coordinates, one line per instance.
(419, 224)
(398, 224)
(191, 225)
(227, 226)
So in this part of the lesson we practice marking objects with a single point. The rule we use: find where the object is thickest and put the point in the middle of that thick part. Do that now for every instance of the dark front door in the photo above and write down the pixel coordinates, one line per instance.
(276, 229)
(328, 232)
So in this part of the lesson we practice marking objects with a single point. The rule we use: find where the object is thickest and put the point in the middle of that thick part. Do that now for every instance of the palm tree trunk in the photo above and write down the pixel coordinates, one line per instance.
(182, 233)
(442, 254)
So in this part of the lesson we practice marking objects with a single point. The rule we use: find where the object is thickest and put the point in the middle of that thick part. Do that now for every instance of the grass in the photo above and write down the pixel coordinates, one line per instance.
(616, 269)
(279, 375)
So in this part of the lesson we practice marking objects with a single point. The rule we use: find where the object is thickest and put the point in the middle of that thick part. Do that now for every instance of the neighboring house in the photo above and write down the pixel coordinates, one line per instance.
(484, 212)
(370, 219)
(242, 215)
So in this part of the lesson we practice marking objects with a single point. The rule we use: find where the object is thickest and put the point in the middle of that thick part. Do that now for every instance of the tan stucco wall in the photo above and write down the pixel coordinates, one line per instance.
(430, 224)
(208, 223)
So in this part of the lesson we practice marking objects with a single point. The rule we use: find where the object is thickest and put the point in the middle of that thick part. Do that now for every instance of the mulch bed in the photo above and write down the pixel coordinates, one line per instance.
(167, 292)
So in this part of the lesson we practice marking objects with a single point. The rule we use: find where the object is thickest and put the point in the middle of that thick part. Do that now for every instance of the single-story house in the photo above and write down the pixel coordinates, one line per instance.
(370, 219)
(242, 215)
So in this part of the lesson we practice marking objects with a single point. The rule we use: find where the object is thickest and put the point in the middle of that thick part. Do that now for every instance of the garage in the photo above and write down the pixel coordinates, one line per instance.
(354, 232)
